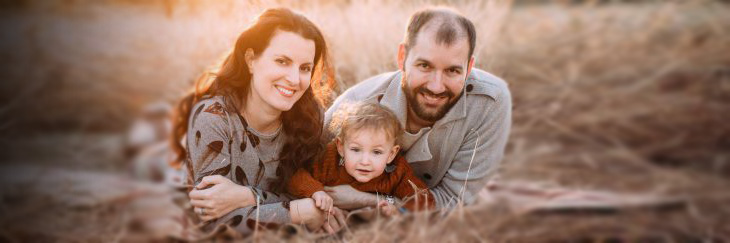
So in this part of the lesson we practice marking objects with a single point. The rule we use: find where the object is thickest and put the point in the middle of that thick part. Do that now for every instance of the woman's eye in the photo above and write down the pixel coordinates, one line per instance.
(281, 61)
(306, 69)
(355, 149)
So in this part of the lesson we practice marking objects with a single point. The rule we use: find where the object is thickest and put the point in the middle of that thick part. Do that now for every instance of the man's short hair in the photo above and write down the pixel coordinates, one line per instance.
(451, 25)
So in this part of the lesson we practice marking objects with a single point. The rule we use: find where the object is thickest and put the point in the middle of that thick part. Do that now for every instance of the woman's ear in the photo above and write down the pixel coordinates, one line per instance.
(393, 152)
(249, 56)
(340, 147)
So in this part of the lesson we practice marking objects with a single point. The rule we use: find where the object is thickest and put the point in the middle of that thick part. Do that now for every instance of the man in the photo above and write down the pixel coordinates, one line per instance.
(456, 118)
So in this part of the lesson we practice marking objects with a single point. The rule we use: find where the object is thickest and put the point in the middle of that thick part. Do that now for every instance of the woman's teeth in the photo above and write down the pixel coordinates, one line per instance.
(284, 90)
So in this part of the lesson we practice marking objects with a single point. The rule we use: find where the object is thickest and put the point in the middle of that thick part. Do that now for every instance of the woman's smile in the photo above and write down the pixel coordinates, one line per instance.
(286, 92)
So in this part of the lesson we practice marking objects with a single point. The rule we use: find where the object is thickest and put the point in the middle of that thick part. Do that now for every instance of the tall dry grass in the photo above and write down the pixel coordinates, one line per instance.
(616, 97)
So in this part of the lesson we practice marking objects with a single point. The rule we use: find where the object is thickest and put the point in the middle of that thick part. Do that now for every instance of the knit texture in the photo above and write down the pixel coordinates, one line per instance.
(304, 183)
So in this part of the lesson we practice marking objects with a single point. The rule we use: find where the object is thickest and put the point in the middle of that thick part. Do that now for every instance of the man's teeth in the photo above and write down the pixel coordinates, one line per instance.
(285, 91)
(432, 97)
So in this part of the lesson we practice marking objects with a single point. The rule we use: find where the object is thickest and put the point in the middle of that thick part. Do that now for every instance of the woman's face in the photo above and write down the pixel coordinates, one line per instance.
(282, 72)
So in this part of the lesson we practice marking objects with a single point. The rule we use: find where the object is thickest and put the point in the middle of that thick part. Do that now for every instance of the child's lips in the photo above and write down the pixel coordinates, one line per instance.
(363, 171)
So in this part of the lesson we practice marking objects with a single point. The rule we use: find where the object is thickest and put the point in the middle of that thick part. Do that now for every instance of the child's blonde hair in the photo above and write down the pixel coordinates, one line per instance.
(354, 117)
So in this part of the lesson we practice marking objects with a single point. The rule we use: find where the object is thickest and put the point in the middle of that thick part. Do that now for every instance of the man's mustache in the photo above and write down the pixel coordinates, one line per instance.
(446, 93)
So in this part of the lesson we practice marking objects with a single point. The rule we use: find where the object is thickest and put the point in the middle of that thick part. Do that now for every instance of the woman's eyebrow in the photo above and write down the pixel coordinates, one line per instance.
(291, 60)
(284, 56)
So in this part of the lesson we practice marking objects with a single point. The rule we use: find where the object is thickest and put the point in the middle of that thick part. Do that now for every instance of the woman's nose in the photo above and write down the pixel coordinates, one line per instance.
(292, 77)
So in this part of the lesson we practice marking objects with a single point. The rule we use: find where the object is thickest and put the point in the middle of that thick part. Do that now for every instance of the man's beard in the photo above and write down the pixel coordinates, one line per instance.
(420, 109)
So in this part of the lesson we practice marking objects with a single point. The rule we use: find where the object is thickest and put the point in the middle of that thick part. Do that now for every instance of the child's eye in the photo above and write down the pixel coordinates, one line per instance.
(355, 149)
(378, 152)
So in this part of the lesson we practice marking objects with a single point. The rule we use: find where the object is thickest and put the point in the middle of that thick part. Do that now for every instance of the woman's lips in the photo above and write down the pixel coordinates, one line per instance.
(286, 92)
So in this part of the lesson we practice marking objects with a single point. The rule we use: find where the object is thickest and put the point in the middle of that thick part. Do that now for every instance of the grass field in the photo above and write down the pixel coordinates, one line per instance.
(608, 96)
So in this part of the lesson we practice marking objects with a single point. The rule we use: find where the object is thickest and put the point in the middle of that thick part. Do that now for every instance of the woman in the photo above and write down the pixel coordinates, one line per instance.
(253, 124)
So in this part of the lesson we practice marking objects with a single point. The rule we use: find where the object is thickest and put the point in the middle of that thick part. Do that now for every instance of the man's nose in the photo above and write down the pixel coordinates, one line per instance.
(436, 83)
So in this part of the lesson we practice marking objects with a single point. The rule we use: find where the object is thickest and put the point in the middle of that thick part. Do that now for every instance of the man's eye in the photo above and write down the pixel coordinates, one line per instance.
(422, 65)
(281, 61)
(306, 69)
(454, 71)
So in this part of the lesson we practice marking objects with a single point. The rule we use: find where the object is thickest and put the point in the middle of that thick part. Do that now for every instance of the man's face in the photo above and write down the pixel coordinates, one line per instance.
(433, 74)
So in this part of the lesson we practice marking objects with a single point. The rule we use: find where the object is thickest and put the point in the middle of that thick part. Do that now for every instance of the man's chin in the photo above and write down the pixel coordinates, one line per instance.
(431, 114)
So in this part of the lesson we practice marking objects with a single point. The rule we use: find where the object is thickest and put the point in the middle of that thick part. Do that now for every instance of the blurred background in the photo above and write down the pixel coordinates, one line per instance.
(616, 97)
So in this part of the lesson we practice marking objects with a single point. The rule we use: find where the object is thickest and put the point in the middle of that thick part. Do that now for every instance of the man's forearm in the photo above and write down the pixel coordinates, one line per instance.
(346, 197)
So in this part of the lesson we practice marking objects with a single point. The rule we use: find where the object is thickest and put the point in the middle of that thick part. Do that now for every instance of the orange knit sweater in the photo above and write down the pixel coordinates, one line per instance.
(328, 173)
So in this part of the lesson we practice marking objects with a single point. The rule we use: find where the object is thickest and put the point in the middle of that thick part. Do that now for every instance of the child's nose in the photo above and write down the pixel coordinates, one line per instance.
(365, 160)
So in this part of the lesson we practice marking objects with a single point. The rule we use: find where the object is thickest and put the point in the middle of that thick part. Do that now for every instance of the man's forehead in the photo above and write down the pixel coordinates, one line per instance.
(428, 47)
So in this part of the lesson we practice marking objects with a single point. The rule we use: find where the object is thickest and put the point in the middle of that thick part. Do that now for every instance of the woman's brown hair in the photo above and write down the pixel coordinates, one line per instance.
(303, 123)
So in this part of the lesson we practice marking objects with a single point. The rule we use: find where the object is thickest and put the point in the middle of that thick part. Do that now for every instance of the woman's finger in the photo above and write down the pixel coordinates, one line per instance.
(328, 228)
(200, 203)
(198, 194)
(209, 181)
(207, 218)
(339, 215)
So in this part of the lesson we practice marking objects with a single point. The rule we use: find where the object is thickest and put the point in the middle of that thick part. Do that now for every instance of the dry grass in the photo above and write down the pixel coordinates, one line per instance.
(625, 98)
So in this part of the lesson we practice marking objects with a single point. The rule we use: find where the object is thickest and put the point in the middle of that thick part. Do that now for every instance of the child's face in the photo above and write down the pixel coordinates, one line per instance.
(366, 153)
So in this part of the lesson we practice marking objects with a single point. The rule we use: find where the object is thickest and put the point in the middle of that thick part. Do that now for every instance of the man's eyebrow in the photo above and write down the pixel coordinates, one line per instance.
(458, 67)
(422, 60)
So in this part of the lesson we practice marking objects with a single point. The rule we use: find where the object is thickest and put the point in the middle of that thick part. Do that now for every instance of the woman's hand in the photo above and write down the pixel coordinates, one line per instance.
(304, 211)
(216, 196)
(335, 221)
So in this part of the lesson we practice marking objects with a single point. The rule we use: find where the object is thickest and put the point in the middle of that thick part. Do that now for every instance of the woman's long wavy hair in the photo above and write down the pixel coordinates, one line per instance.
(303, 123)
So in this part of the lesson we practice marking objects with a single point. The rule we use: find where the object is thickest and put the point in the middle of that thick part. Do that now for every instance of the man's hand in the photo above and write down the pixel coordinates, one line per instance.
(346, 197)
(323, 201)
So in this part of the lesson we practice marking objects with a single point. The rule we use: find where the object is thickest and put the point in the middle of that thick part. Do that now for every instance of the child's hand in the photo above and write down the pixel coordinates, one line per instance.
(323, 201)
(387, 209)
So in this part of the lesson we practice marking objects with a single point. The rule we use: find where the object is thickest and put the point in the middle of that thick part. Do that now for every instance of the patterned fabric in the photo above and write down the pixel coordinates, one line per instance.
(220, 142)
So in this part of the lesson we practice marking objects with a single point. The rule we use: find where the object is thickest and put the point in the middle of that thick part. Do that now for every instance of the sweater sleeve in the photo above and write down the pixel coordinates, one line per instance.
(417, 199)
(303, 185)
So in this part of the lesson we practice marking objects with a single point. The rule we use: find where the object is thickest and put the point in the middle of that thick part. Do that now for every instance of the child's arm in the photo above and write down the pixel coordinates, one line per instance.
(302, 184)
(404, 189)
